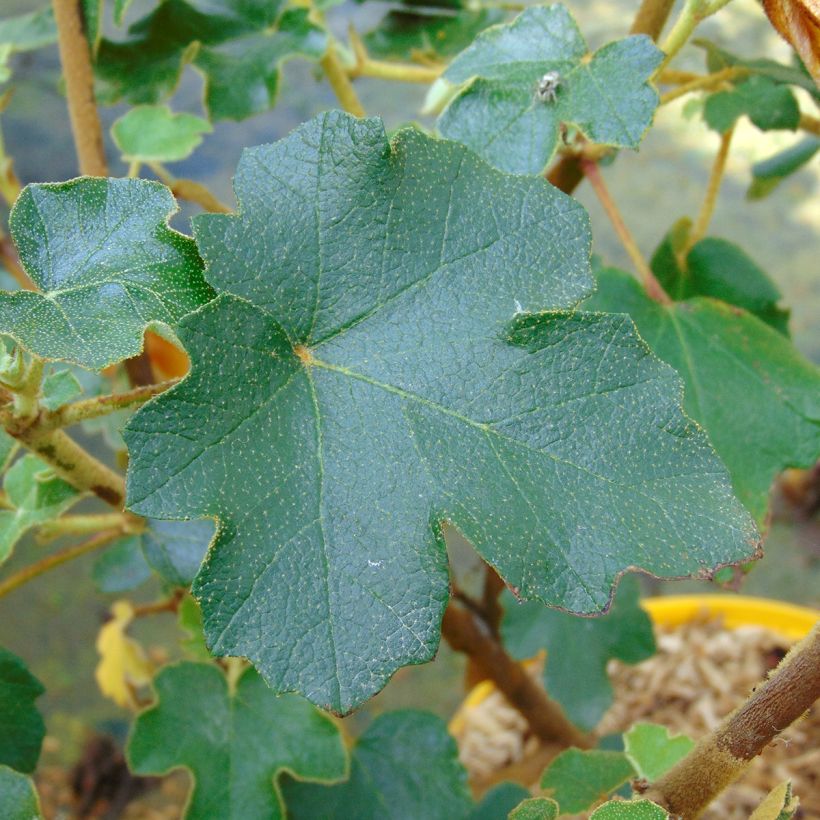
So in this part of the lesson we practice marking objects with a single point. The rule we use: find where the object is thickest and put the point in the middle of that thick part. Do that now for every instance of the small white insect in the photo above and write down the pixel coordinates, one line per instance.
(548, 85)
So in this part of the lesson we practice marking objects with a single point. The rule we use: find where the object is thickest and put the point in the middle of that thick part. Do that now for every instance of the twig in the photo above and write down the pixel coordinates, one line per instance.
(55, 559)
(650, 283)
(399, 72)
(705, 83)
(340, 82)
(466, 633)
(75, 57)
(189, 190)
(86, 524)
(651, 17)
(169, 604)
(692, 13)
(721, 757)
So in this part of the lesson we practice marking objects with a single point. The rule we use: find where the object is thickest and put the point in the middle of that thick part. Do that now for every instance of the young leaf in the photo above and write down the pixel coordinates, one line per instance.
(153, 133)
(37, 495)
(121, 567)
(59, 388)
(175, 549)
(768, 105)
(398, 752)
(23, 727)
(757, 397)
(535, 808)
(767, 174)
(235, 743)
(779, 804)
(652, 750)
(387, 367)
(578, 780)
(722, 270)
(499, 113)
(578, 649)
(107, 264)
(499, 801)
(18, 797)
(629, 810)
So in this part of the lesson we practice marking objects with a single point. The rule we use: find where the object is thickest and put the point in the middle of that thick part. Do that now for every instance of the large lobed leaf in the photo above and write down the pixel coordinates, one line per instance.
(107, 264)
(379, 363)
(499, 115)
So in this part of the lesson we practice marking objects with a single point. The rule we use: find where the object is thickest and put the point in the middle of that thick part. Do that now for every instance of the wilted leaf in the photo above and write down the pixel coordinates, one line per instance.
(235, 743)
(18, 798)
(108, 265)
(153, 133)
(578, 780)
(398, 752)
(386, 367)
(653, 750)
(779, 804)
(798, 22)
(578, 649)
(23, 727)
(499, 113)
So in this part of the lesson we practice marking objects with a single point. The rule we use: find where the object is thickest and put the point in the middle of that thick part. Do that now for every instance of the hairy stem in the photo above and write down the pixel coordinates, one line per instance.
(26, 402)
(719, 759)
(651, 17)
(466, 633)
(340, 82)
(650, 283)
(75, 57)
(55, 559)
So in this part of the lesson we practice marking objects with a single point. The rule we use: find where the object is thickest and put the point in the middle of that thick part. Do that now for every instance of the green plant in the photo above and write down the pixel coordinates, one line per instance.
(392, 337)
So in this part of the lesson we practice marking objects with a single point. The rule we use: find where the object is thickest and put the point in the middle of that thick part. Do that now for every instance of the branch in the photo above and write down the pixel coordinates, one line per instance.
(11, 262)
(465, 633)
(340, 83)
(55, 559)
(86, 524)
(399, 72)
(75, 57)
(651, 284)
(652, 17)
(692, 13)
(722, 756)
(707, 82)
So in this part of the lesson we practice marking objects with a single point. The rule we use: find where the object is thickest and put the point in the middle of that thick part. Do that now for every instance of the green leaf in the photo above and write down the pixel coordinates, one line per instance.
(578, 649)
(153, 133)
(756, 396)
(499, 801)
(577, 780)
(535, 808)
(405, 766)
(8, 447)
(722, 270)
(23, 727)
(120, 9)
(92, 12)
(769, 173)
(239, 48)
(190, 622)
(121, 567)
(18, 798)
(59, 388)
(387, 367)
(108, 265)
(653, 750)
(27, 32)
(768, 105)
(629, 810)
(175, 549)
(235, 744)
(37, 495)
(498, 112)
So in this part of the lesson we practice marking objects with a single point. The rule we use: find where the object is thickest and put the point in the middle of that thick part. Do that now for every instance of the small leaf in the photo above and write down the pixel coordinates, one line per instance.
(326, 381)
(768, 173)
(578, 780)
(535, 808)
(629, 810)
(578, 649)
(398, 752)
(175, 549)
(768, 105)
(123, 665)
(109, 266)
(235, 744)
(499, 801)
(779, 804)
(499, 114)
(18, 797)
(59, 388)
(27, 32)
(121, 567)
(37, 495)
(653, 750)
(722, 270)
(757, 397)
(153, 133)
(23, 727)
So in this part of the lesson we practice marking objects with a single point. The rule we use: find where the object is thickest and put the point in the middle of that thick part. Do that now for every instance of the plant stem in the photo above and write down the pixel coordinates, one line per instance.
(169, 604)
(27, 396)
(705, 83)
(340, 82)
(75, 57)
(98, 406)
(719, 759)
(55, 559)
(712, 189)
(189, 190)
(465, 633)
(85, 524)
(650, 283)
(810, 124)
(400, 72)
(692, 13)
(651, 17)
